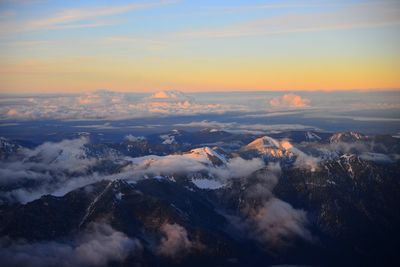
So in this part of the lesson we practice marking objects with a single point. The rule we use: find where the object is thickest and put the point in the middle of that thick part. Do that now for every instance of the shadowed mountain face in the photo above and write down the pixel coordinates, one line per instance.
(202, 198)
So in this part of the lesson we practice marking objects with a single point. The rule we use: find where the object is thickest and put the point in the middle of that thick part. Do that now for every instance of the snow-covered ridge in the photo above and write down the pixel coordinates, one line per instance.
(346, 137)
(168, 139)
(204, 166)
(270, 146)
(197, 159)
(132, 138)
(7, 146)
(205, 154)
(274, 148)
(312, 136)
(207, 184)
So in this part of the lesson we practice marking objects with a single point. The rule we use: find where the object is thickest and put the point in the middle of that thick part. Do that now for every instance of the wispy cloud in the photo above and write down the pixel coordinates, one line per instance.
(73, 15)
(78, 17)
(327, 17)
(270, 6)
(372, 14)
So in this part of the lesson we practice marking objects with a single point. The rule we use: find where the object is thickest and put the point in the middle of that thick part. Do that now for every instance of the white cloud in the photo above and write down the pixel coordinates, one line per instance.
(189, 163)
(272, 221)
(97, 246)
(57, 168)
(44, 169)
(175, 102)
(237, 168)
(68, 155)
(277, 221)
(47, 160)
(108, 105)
(349, 16)
(165, 165)
(304, 161)
(78, 17)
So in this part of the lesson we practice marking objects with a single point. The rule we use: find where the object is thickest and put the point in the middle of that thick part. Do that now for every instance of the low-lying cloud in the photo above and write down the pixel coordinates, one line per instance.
(99, 245)
(270, 220)
(277, 222)
(175, 242)
(49, 167)
(235, 127)
(107, 105)
(238, 167)
(58, 168)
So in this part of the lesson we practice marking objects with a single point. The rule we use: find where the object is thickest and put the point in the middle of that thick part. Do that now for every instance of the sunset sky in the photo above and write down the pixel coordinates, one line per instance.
(145, 46)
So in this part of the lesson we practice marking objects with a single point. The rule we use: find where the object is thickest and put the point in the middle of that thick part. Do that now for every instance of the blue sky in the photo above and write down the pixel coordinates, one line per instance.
(59, 46)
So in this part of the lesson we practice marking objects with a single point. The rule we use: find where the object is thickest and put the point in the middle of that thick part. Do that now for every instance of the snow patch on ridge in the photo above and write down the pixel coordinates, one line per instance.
(207, 184)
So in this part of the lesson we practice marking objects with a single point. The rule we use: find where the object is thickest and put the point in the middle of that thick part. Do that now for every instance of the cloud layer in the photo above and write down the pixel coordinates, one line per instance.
(107, 105)
(256, 111)
(254, 128)
(270, 220)
(99, 245)
(57, 168)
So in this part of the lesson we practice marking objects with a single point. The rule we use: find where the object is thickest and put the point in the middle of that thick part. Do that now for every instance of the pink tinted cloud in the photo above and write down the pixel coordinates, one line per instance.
(175, 241)
(290, 100)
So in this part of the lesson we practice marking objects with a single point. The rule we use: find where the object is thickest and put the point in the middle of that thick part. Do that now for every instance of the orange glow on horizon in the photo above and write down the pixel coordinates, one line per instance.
(88, 74)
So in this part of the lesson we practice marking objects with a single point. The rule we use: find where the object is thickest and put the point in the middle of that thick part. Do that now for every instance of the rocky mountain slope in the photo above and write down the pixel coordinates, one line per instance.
(291, 198)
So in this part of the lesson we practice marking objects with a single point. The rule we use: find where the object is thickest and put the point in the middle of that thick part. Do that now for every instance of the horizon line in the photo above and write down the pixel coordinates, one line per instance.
(205, 92)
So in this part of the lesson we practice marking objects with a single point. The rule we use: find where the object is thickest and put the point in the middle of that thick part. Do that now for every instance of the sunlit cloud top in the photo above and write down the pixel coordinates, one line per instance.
(66, 46)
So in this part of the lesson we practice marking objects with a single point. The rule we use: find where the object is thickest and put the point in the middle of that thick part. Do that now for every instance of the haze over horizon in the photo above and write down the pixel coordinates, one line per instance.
(191, 46)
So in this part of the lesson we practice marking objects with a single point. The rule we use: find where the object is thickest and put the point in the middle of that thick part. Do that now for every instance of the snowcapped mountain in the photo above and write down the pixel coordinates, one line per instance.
(311, 136)
(199, 201)
(273, 148)
(169, 138)
(347, 137)
(8, 148)
(206, 155)
(269, 146)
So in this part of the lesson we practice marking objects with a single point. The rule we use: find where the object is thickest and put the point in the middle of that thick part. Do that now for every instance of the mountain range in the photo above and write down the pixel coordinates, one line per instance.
(209, 197)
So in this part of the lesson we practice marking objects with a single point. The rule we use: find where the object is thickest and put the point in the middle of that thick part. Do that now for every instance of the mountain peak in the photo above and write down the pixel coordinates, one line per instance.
(207, 154)
(270, 146)
(346, 137)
